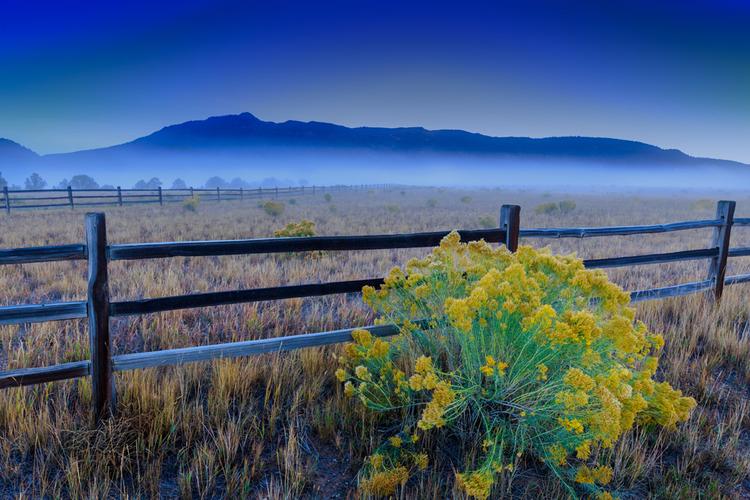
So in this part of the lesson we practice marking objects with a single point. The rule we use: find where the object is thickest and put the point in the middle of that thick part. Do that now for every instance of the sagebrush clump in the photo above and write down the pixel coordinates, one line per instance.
(273, 208)
(518, 356)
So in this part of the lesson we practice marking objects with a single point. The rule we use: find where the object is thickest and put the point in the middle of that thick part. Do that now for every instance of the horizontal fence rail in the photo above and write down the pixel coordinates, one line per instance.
(294, 244)
(589, 232)
(14, 199)
(98, 309)
(42, 254)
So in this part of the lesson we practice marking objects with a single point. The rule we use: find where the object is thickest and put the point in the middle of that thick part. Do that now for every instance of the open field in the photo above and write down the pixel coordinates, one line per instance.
(279, 426)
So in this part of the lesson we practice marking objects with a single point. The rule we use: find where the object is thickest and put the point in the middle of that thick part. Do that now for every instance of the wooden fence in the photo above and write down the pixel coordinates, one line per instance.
(72, 198)
(98, 307)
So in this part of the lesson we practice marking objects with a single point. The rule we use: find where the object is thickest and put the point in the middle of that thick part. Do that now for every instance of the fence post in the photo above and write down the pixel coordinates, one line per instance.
(218, 193)
(102, 383)
(717, 269)
(241, 196)
(7, 199)
(161, 200)
(119, 196)
(276, 193)
(510, 222)
(192, 194)
(70, 197)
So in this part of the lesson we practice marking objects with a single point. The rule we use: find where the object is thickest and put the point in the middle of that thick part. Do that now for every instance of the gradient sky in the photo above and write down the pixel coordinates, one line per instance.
(676, 74)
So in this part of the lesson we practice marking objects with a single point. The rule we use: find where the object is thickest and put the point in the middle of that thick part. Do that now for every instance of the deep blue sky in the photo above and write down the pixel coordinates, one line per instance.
(673, 73)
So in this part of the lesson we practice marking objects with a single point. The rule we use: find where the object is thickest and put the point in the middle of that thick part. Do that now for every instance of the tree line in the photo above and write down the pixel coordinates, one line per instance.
(82, 181)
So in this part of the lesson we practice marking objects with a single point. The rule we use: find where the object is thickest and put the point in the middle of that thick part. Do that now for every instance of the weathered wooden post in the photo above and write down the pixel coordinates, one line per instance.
(161, 199)
(276, 193)
(70, 197)
(241, 195)
(717, 268)
(7, 199)
(102, 383)
(192, 193)
(218, 193)
(119, 196)
(510, 222)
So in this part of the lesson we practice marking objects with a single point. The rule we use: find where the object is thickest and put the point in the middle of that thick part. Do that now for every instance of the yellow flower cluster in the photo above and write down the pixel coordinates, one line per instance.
(301, 228)
(476, 484)
(384, 483)
(537, 339)
(433, 414)
(599, 475)
(491, 367)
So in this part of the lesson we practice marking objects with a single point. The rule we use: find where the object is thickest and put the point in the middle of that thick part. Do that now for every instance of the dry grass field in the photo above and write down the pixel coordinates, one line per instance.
(279, 426)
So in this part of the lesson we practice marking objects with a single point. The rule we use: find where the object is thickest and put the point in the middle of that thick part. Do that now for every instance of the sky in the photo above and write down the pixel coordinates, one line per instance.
(77, 75)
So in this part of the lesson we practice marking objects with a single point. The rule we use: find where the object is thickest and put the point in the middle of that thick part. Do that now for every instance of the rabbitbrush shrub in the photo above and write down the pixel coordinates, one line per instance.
(302, 228)
(516, 356)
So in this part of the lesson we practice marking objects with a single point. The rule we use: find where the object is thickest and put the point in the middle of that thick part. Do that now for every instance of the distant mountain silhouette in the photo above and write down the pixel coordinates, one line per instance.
(247, 131)
(12, 151)
(243, 143)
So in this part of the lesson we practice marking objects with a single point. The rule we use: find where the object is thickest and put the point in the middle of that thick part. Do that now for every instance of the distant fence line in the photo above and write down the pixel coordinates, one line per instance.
(14, 199)
(99, 309)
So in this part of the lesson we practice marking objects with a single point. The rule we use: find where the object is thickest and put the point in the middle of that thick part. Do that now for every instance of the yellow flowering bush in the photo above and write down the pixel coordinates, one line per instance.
(527, 353)
(302, 228)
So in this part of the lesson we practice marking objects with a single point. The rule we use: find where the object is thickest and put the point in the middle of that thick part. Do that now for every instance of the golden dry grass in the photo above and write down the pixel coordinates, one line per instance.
(278, 426)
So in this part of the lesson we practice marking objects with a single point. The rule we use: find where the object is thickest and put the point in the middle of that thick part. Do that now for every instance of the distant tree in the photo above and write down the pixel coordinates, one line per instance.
(3, 182)
(63, 184)
(303, 182)
(82, 181)
(179, 184)
(153, 183)
(35, 181)
(108, 186)
(216, 182)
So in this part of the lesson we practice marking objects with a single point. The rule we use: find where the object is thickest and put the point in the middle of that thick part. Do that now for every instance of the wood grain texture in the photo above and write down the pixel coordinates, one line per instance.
(717, 268)
(247, 348)
(652, 258)
(38, 313)
(33, 376)
(588, 232)
(98, 309)
(42, 254)
(671, 291)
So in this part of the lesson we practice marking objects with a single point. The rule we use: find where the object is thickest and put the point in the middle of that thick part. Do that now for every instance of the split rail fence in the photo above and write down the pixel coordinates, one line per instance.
(72, 198)
(98, 308)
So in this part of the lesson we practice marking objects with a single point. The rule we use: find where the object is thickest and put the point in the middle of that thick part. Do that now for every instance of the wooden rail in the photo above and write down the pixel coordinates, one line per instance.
(98, 309)
(71, 198)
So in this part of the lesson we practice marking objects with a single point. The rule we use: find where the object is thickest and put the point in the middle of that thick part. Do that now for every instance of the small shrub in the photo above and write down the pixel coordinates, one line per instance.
(546, 208)
(273, 208)
(328, 197)
(403, 193)
(432, 203)
(512, 355)
(466, 199)
(332, 209)
(292, 201)
(566, 206)
(392, 208)
(301, 228)
(488, 222)
(191, 204)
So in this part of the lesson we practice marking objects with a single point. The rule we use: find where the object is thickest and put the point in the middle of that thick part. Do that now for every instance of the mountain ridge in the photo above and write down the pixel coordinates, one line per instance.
(244, 145)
